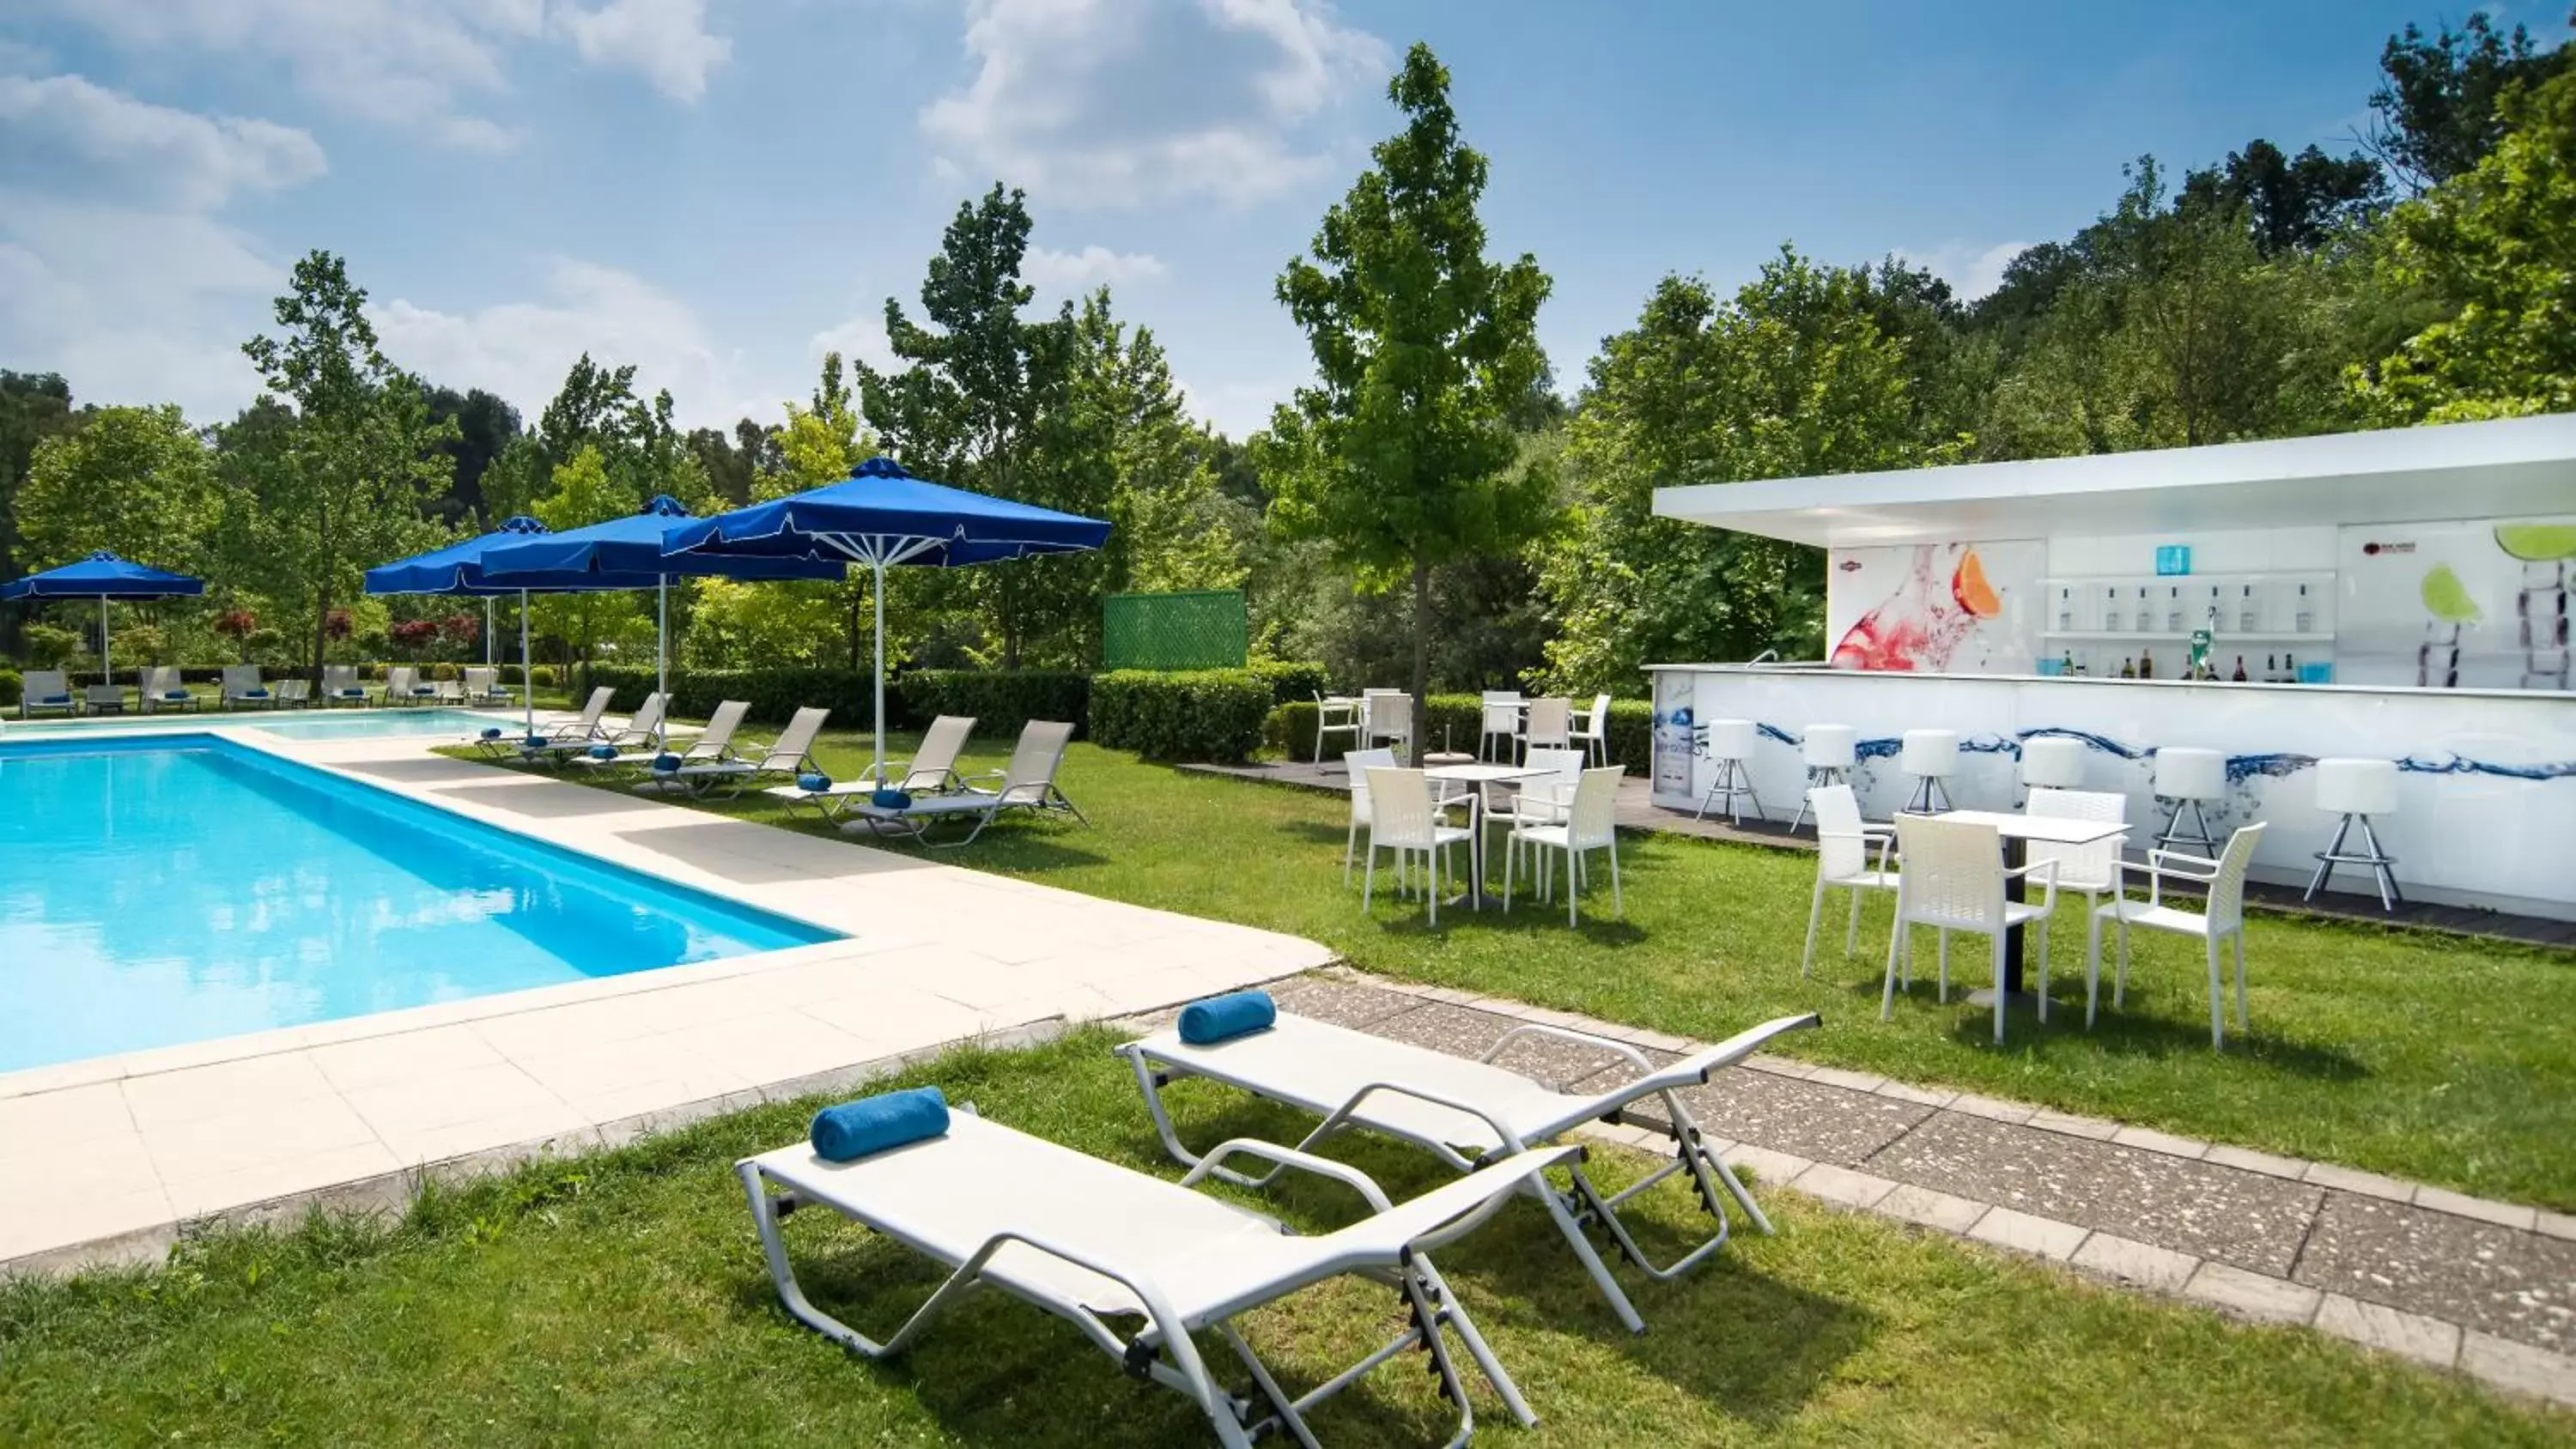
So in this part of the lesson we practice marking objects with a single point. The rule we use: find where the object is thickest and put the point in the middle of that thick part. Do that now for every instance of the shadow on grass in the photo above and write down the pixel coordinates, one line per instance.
(2128, 1033)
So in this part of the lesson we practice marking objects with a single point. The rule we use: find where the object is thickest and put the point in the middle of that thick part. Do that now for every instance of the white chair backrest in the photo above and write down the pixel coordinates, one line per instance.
(1035, 757)
(1388, 712)
(1359, 763)
(1954, 872)
(722, 724)
(1598, 717)
(240, 678)
(648, 715)
(1502, 712)
(480, 680)
(1594, 820)
(2097, 864)
(1564, 767)
(44, 684)
(163, 679)
(397, 678)
(1549, 722)
(337, 677)
(796, 741)
(103, 693)
(1400, 808)
(1841, 852)
(941, 743)
(591, 708)
(294, 689)
(2227, 892)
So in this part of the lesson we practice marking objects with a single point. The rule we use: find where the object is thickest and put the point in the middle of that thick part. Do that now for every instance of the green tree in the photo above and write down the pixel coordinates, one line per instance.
(584, 494)
(1167, 528)
(136, 480)
(343, 486)
(2293, 203)
(1400, 456)
(485, 427)
(33, 407)
(2439, 108)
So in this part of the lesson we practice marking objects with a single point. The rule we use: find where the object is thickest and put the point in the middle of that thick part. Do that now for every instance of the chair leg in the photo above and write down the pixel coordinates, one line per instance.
(1618, 902)
(1431, 884)
(2120, 983)
(1801, 817)
(1350, 847)
(1368, 887)
(2390, 897)
(1943, 936)
(2236, 938)
(1851, 934)
(2092, 962)
(2217, 1000)
(1511, 858)
(1573, 883)
(2041, 997)
(1999, 939)
(1887, 992)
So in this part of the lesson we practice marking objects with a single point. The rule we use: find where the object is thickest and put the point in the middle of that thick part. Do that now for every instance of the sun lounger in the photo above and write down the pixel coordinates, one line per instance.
(712, 745)
(163, 690)
(242, 689)
(403, 685)
(295, 692)
(103, 698)
(1466, 1111)
(1100, 1245)
(642, 732)
(483, 686)
(1027, 783)
(933, 767)
(340, 685)
(791, 755)
(43, 691)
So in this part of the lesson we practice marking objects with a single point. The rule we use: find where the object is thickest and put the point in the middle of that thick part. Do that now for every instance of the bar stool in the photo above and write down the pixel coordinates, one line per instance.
(2052, 762)
(2187, 777)
(1930, 756)
(1730, 747)
(1829, 752)
(2358, 789)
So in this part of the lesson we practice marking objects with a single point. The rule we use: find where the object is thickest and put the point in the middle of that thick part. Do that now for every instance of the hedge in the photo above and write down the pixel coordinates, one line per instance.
(1454, 719)
(1188, 714)
(774, 694)
(1291, 680)
(10, 684)
(1001, 700)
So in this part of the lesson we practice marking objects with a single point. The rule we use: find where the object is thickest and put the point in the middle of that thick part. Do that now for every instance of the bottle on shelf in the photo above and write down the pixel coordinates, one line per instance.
(2248, 617)
(2240, 669)
(2173, 609)
(2146, 665)
(2304, 619)
(2289, 669)
(2111, 611)
(2065, 609)
(2128, 668)
(2067, 664)
(2271, 670)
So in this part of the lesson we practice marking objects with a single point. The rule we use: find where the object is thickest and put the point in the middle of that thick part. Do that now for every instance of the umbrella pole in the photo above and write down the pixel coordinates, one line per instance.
(662, 651)
(527, 672)
(106, 667)
(487, 631)
(879, 719)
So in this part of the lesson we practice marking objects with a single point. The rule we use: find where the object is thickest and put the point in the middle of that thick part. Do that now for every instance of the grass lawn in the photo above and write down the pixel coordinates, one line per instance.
(2430, 1057)
(619, 1299)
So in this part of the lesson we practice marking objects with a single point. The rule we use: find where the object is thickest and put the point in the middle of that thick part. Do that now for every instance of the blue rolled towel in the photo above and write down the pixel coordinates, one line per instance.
(603, 752)
(666, 763)
(55, 699)
(255, 692)
(814, 782)
(1223, 1018)
(538, 742)
(492, 733)
(891, 799)
(872, 1124)
(173, 696)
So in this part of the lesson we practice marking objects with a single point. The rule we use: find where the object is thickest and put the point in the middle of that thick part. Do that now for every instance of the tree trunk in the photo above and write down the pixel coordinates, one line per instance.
(1421, 661)
(321, 629)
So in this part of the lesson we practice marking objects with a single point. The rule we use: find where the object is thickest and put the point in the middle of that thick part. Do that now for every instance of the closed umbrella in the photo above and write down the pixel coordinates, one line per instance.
(882, 516)
(104, 576)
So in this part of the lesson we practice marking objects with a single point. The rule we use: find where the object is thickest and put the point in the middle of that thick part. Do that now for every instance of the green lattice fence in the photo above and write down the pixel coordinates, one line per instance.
(1204, 630)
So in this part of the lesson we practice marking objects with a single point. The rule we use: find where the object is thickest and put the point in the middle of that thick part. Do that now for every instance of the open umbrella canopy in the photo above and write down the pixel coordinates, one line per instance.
(459, 568)
(633, 545)
(103, 575)
(881, 514)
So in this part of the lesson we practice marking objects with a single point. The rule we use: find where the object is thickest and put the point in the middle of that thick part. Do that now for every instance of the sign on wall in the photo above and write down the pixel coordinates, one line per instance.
(1957, 608)
(2469, 605)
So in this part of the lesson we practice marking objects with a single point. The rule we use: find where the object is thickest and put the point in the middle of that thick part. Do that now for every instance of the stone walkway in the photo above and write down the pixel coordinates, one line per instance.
(2487, 1288)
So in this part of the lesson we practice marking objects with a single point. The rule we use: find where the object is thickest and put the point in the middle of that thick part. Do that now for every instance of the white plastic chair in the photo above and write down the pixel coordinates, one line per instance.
(1498, 717)
(2222, 919)
(1591, 824)
(2088, 870)
(1842, 861)
(1953, 880)
(1542, 799)
(1334, 716)
(1548, 725)
(1358, 764)
(1592, 729)
(1387, 714)
(1402, 818)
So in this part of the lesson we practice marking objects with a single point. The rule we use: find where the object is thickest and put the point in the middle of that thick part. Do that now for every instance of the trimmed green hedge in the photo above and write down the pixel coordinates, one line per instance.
(1290, 729)
(1292, 680)
(1190, 714)
(774, 694)
(10, 685)
(1001, 700)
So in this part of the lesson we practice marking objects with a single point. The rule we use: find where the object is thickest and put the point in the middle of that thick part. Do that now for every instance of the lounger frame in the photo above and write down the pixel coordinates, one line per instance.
(1157, 1064)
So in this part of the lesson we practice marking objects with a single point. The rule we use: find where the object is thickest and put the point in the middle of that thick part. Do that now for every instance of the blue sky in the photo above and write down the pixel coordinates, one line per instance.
(719, 190)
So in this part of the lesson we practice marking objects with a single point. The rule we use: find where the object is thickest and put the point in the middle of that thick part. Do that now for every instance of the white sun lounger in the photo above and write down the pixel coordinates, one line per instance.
(241, 688)
(1027, 783)
(713, 744)
(340, 685)
(1090, 1241)
(44, 691)
(162, 690)
(103, 698)
(792, 754)
(1466, 1111)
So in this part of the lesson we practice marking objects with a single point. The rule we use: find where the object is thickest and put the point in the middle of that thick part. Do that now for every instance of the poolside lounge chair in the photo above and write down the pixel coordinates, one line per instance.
(164, 689)
(340, 685)
(791, 755)
(483, 686)
(403, 685)
(43, 691)
(103, 698)
(295, 692)
(1091, 1242)
(713, 744)
(932, 769)
(1027, 783)
(641, 732)
(447, 691)
(243, 690)
(1467, 1111)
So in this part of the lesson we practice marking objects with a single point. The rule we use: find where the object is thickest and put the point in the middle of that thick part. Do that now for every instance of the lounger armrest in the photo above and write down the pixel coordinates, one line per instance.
(1634, 1057)
(1691, 1071)
(1341, 1172)
(1350, 1108)
(1167, 1322)
(1451, 1211)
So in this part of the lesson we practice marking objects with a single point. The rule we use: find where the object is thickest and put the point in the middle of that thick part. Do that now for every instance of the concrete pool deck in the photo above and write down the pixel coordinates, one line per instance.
(107, 1159)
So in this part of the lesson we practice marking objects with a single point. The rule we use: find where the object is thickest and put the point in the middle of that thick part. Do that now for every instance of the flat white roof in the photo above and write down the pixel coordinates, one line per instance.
(2507, 468)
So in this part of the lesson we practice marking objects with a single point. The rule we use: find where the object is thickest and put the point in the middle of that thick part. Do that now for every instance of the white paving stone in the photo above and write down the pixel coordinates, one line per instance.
(2460, 1204)
(2248, 1159)
(2149, 1140)
(2427, 1340)
(1842, 1185)
(1932, 1209)
(2160, 1270)
(2518, 1366)
(2556, 1225)
(2253, 1295)
(1991, 1108)
(2093, 1128)
(2368, 1184)
(2024, 1233)
(1767, 1166)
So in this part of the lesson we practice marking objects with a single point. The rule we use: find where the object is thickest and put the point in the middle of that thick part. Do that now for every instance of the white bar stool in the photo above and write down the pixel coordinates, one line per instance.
(1730, 748)
(1930, 756)
(2358, 789)
(2186, 777)
(2052, 762)
(1829, 751)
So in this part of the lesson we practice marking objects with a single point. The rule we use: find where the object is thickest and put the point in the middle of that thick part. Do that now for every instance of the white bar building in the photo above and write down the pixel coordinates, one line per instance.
(2399, 595)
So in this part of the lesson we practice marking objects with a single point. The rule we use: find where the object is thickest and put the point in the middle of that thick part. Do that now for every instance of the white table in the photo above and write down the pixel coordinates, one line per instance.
(1478, 777)
(2017, 832)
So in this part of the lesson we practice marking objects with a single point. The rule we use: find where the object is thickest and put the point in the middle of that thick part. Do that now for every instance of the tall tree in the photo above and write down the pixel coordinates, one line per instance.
(2439, 107)
(33, 407)
(1400, 456)
(2293, 203)
(979, 380)
(135, 480)
(485, 426)
(345, 486)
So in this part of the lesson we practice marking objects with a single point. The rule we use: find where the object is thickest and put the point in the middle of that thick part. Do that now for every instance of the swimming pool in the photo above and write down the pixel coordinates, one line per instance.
(157, 891)
(412, 722)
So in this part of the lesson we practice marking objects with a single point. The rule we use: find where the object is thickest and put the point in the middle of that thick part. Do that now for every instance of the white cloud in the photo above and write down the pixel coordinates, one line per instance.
(521, 350)
(425, 64)
(1971, 270)
(664, 41)
(1066, 272)
(105, 140)
(1117, 102)
(1237, 409)
(861, 337)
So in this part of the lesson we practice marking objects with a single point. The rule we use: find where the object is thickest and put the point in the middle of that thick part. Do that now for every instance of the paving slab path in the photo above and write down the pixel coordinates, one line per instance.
(2487, 1288)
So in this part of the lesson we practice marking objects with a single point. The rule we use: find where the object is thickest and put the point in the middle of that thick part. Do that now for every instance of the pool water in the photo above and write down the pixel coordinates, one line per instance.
(162, 891)
(374, 724)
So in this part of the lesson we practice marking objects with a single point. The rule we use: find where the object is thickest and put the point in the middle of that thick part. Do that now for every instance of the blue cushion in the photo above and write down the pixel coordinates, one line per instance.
(814, 781)
(666, 763)
(1222, 1018)
(872, 1124)
(603, 752)
(55, 699)
(891, 799)
(176, 695)
(492, 733)
(538, 742)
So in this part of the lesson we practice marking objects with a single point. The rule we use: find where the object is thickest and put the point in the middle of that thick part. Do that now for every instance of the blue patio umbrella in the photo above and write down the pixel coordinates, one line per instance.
(882, 516)
(103, 576)
(631, 547)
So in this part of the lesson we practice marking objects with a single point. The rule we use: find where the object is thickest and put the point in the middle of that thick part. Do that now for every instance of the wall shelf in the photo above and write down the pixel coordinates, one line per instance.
(2183, 640)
